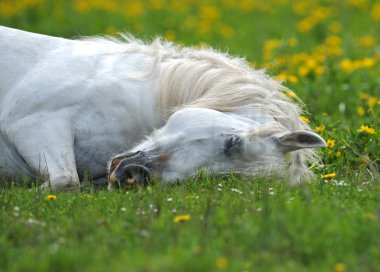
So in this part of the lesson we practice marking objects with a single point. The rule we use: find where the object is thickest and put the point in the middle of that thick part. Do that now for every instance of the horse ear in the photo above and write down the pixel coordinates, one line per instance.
(298, 140)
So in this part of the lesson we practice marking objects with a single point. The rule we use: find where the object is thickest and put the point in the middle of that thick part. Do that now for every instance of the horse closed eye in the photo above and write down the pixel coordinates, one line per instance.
(232, 145)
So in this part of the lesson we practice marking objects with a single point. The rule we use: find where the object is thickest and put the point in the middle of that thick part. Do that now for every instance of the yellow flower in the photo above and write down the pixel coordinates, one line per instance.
(305, 25)
(360, 111)
(289, 78)
(340, 267)
(301, 7)
(333, 41)
(303, 70)
(320, 128)
(367, 129)
(338, 154)
(375, 12)
(363, 96)
(292, 79)
(305, 119)
(209, 12)
(157, 4)
(133, 9)
(269, 47)
(367, 41)
(51, 197)
(368, 62)
(329, 176)
(330, 143)
(182, 218)
(319, 70)
(372, 101)
(347, 65)
(362, 4)
(290, 94)
(221, 263)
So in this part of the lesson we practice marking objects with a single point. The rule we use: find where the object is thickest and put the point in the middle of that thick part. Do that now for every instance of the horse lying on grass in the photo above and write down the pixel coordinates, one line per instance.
(68, 106)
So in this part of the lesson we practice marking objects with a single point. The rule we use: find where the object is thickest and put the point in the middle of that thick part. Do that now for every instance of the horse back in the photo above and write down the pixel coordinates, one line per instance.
(19, 52)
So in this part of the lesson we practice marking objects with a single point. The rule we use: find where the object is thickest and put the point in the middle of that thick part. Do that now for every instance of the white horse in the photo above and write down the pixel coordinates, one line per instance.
(68, 106)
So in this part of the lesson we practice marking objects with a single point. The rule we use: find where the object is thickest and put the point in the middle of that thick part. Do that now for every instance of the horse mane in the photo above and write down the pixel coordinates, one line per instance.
(206, 78)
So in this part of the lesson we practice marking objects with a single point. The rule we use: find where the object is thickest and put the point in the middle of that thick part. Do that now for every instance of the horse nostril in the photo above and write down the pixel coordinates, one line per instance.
(130, 176)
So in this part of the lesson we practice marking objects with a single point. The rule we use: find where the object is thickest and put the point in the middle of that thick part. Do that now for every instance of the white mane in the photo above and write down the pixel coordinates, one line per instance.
(205, 78)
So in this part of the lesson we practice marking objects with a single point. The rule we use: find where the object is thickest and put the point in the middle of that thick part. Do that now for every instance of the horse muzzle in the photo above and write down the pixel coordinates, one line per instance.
(129, 171)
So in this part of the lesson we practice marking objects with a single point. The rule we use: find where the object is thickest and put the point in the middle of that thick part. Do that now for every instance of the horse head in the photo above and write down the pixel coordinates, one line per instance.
(221, 143)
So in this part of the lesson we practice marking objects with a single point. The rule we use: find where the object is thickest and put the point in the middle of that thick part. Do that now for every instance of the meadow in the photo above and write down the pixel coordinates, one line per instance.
(327, 53)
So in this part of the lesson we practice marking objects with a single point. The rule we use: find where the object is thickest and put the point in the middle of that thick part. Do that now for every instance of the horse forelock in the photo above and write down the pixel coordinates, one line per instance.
(206, 78)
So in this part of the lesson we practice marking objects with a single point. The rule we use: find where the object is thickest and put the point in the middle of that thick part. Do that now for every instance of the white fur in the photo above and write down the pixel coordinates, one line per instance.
(67, 105)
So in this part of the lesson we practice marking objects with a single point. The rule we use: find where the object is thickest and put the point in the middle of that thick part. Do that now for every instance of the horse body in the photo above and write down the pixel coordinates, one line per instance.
(61, 103)
(67, 106)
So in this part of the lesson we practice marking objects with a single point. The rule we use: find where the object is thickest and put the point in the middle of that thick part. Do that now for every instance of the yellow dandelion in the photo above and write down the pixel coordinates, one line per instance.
(330, 143)
(338, 154)
(51, 197)
(347, 65)
(305, 119)
(303, 70)
(182, 218)
(292, 79)
(133, 9)
(301, 7)
(320, 128)
(319, 70)
(305, 25)
(329, 176)
(368, 62)
(367, 41)
(375, 12)
(333, 41)
(289, 78)
(269, 47)
(281, 76)
(363, 96)
(372, 101)
(340, 267)
(290, 94)
(360, 111)
(367, 129)
(157, 4)
(221, 263)
(209, 12)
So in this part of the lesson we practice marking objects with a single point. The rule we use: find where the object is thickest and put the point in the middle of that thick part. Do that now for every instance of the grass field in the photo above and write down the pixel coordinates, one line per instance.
(328, 52)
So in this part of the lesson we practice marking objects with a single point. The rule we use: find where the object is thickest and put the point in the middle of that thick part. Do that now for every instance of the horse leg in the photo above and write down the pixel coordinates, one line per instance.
(47, 147)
